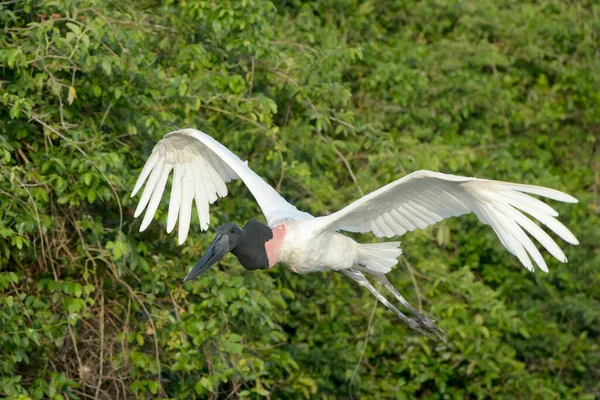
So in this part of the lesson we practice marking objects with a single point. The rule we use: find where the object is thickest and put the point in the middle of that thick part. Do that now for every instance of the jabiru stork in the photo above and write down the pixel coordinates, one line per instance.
(202, 167)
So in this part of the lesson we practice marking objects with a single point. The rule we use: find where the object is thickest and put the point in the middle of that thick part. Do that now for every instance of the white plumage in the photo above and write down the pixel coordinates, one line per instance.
(202, 167)
(423, 198)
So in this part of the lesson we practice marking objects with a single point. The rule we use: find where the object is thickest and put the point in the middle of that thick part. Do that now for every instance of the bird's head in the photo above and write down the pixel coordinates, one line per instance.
(247, 244)
(227, 238)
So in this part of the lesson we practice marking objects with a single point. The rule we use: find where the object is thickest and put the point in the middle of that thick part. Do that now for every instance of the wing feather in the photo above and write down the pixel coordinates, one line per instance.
(413, 218)
(156, 195)
(391, 222)
(153, 160)
(516, 198)
(185, 210)
(201, 200)
(424, 198)
(219, 167)
(541, 191)
(156, 171)
(175, 201)
(202, 168)
(219, 187)
(510, 233)
(534, 230)
(384, 227)
(406, 224)
(207, 181)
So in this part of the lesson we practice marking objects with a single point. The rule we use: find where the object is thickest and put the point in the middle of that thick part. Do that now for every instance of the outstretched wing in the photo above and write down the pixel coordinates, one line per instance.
(423, 198)
(202, 167)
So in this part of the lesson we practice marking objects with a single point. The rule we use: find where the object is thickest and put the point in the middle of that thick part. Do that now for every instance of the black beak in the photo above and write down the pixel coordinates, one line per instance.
(217, 250)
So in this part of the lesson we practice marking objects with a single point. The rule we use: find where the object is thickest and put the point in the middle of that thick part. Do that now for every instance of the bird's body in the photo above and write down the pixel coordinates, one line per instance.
(303, 250)
(202, 167)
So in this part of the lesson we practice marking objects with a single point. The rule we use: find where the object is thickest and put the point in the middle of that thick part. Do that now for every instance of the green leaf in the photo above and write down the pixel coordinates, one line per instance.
(106, 67)
(87, 178)
(233, 348)
(74, 27)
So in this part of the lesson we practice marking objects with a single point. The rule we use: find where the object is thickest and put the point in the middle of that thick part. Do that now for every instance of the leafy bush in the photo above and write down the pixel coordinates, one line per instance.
(326, 100)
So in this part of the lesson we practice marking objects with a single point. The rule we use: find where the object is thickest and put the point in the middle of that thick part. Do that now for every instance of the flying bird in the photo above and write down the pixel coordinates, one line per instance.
(202, 167)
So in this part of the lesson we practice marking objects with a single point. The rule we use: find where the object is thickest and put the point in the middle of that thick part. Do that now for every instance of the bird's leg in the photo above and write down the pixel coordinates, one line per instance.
(432, 332)
(426, 323)
(383, 280)
(362, 281)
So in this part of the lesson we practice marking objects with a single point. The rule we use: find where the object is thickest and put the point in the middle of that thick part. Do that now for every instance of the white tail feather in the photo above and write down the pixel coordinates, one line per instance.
(379, 257)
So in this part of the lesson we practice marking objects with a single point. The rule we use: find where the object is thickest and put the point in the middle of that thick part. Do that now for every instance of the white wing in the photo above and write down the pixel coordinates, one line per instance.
(202, 168)
(423, 198)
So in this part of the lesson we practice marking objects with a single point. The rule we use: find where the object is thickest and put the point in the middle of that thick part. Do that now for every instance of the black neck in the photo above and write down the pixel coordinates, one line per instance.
(251, 251)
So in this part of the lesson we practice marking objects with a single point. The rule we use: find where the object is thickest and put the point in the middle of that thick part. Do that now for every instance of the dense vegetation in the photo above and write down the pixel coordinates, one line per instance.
(327, 100)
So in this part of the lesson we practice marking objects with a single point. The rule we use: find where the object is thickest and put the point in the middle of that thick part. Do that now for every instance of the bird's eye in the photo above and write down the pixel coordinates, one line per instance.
(231, 230)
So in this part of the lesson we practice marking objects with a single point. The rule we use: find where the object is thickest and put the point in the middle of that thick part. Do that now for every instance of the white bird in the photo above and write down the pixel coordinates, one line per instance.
(202, 167)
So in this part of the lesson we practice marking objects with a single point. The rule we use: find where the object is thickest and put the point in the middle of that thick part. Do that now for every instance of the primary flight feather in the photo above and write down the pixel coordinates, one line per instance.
(202, 167)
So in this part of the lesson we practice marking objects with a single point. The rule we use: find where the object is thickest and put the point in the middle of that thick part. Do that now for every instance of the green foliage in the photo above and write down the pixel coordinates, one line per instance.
(324, 99)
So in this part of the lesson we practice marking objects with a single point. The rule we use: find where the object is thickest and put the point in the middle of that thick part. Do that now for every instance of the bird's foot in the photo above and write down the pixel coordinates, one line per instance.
(427, 327)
